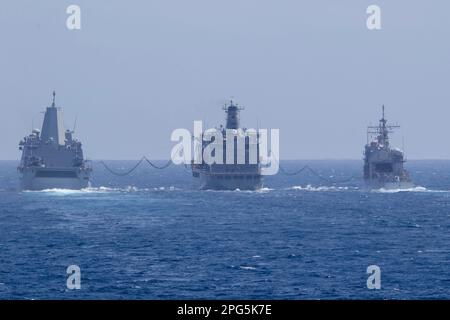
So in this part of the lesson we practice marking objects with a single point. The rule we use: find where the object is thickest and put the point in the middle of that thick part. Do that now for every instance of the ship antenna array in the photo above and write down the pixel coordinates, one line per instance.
(232, 104)
(382, 128)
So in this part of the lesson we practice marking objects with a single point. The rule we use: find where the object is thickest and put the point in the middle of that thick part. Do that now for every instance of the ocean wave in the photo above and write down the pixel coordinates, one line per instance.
(322, 188)
(102, 189)
(262, 190)
(414, 189)
(247, 268)
(82, 191)
(171, 188)
(57, 191)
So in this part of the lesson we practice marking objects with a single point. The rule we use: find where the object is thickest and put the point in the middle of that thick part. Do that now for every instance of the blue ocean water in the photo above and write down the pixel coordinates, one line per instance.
(153, 235)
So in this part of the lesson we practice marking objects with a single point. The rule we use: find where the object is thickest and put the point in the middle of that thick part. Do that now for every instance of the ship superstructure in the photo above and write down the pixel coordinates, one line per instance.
(240, 170)
(383, 165)
(51, 157)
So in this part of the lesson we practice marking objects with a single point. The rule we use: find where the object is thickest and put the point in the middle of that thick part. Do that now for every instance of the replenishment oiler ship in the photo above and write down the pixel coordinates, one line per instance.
(383, 165)
(52, 158)
(242, 175)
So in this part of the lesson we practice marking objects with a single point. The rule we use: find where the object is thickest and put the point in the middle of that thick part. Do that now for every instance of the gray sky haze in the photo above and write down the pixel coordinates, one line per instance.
(137, 70)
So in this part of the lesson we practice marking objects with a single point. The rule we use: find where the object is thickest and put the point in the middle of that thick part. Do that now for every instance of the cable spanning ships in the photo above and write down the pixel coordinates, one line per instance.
(383, 165)
(52, 158)
(243, 172)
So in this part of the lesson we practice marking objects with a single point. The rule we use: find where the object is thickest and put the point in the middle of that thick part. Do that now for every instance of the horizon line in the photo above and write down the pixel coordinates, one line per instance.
(290, 159)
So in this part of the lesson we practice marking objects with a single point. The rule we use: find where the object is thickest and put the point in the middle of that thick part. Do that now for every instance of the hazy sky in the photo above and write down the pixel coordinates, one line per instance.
(139, 69)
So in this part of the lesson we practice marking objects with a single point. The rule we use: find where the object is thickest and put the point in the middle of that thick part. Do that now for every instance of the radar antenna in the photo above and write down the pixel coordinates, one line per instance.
(382, 130)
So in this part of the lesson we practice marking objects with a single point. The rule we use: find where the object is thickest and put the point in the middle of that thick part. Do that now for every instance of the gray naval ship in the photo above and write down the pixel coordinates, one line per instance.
(383, 165)
(52, 158)
(242, 175)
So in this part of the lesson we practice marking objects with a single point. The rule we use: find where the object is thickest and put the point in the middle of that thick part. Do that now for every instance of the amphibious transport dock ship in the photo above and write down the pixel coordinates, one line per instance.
(383, 165)
(51, 158)
(241, 172)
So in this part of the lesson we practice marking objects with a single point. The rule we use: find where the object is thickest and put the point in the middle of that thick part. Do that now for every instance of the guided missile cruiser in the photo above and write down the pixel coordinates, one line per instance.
(383, 165)
(52, 158)
(241, 167)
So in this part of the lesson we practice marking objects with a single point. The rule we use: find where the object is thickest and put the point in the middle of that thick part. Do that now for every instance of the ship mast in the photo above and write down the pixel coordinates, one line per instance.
(52, 127)
(54, 96)
(382, 130)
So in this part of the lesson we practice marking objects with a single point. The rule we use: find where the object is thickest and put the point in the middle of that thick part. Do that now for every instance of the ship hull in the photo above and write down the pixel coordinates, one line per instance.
(230, 182)
(389, 185)
(42, 179)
